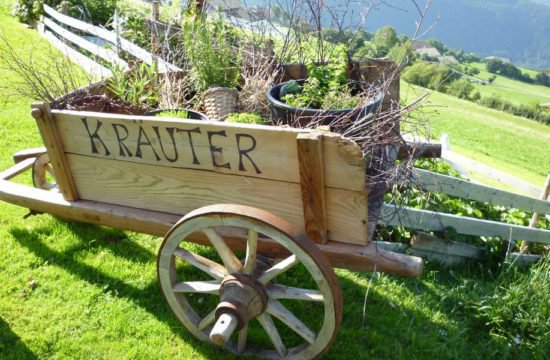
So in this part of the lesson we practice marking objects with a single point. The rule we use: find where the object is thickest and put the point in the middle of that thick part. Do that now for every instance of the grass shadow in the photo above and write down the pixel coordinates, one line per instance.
(11, 346)
(148, 297)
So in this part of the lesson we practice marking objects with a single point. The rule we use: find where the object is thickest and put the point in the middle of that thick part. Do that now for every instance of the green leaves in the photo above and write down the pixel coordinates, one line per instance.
(326, 86)
(139, 86)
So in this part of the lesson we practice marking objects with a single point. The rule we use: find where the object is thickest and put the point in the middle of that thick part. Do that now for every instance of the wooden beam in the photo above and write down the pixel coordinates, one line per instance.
(104, 53)
(443, 251)
(419, 151)
(28, 153)
(465, 189)
(312, 181)
(347, 256)
(111, 37)
(17, 169)
(90, 66)
(533, 223)
(50, 136)
(434, 221)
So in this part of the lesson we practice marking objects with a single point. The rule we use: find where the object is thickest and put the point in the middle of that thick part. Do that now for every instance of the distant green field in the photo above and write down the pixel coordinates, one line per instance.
(515, 91)
(512, 144)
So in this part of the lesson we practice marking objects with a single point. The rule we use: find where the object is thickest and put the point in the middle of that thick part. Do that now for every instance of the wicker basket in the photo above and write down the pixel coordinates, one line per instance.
(220, 102)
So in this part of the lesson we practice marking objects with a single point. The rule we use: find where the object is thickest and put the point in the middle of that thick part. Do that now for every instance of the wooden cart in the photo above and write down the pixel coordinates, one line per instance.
(270, 192)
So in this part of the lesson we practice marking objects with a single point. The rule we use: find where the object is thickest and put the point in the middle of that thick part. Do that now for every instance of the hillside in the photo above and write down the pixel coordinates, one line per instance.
(515, 29)
(510, 143)
(515, 91)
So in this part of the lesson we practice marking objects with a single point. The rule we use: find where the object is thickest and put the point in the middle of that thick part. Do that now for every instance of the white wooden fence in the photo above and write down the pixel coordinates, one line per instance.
(425, 220)
(57, 27)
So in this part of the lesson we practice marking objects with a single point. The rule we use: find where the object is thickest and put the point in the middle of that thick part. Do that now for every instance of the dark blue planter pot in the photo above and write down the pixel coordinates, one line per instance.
(286, 114)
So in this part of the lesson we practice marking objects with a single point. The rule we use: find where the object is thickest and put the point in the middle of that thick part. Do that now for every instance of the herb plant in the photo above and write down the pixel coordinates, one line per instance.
(210, 52)
(246, 118)
(139, 86)
(179, 114)
(325, 88)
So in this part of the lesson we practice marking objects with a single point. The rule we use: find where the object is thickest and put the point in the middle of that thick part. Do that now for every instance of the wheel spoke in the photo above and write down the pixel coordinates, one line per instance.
(202, 287)
(251, 249)
(275, 308)
(278, 269)
(208, 320)
(269, 327)
(229, 259)
(208, 266)
(276, 291)
(243, 334)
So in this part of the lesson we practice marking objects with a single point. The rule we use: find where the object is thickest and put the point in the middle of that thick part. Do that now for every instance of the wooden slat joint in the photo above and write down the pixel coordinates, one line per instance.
(312, 181)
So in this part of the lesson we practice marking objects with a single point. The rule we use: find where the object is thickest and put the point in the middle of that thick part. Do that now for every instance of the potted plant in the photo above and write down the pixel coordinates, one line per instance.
(325, 95)
(178, 114)
(213, 64)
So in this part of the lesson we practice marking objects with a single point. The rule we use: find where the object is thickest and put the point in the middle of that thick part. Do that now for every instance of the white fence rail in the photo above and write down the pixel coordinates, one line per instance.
(54, 30)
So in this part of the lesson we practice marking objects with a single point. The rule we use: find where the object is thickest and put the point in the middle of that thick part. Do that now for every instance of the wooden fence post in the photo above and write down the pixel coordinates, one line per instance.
(535, 218)
(155, 44)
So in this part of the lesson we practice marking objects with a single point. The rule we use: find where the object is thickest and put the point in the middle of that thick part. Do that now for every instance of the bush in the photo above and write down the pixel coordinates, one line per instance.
(245, 118)
(531, 111)
(96, 11)
(461, 88)
(431, 76)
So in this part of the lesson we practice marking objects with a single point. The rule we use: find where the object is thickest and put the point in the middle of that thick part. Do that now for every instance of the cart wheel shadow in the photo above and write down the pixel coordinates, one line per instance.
(384, 318)
(147, 297)
(11, 345)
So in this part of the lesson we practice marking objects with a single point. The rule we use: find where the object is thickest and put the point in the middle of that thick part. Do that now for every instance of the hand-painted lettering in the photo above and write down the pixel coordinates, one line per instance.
(170, 132)
(190, 137)
(244, 152)
(95, 136)
(143, 135)
(216, 151)
(122, 148)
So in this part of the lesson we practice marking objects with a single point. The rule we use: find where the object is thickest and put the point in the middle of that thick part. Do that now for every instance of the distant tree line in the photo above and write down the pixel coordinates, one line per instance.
(497, 66)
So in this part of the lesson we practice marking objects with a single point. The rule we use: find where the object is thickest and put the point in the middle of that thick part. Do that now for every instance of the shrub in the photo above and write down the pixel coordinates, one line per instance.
(461, 88)
(96, 11)
(246, 118)
(431, 76)
(209, 49)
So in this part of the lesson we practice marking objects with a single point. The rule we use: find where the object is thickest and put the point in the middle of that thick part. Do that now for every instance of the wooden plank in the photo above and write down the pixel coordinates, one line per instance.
(125, 45)
(104, 53)
(312, 181)
(54, 145)
(90, 66)
(434, 221)
(533, 223)
(180, 191)
(17, 169)
(443, 251)
(463, 162)
(468, 190)
(258, 151)
(28, 153)
(347, 256)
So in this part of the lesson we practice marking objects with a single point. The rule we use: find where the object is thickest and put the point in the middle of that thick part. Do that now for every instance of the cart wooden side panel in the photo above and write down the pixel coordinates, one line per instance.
(176, 166)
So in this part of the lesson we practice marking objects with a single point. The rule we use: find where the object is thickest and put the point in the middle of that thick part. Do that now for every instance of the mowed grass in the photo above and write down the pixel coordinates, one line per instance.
(515, 91)
(75, 291)
(510, 143)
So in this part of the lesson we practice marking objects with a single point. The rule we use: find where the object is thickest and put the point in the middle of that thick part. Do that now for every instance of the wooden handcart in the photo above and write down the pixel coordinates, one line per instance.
(253, 193)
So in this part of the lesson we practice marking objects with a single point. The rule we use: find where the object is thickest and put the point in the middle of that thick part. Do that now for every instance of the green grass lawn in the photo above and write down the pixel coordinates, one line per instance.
(513, 144)
(515, 91)
(75, 291)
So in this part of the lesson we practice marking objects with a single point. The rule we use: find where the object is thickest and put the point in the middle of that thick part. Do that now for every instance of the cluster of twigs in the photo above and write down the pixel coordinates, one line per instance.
(44, 74)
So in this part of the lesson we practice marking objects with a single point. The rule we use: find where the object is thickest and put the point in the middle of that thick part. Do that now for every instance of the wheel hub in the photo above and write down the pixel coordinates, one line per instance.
(243, 297)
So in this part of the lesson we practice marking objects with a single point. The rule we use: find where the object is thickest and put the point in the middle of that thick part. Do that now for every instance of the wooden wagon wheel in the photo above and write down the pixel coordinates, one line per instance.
(247, 292)
(43, 176)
